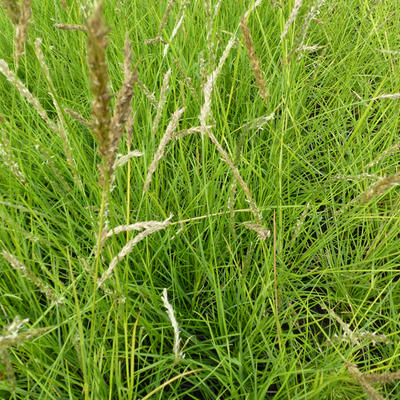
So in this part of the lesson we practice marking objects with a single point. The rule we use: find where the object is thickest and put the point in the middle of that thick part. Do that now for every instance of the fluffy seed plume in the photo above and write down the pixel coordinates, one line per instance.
(127, 249)
(380, 187)
(254, 60)
(161, 101)
(98, 72)
(292, 17)
(42, 286)
(22, 28)
(171, 315)
(168, 136)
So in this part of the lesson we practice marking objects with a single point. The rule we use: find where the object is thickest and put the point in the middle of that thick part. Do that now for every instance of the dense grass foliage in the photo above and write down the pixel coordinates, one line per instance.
(300, 315)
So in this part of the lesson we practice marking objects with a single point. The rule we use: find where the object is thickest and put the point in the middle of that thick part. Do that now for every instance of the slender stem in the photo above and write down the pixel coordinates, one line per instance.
(99, 245)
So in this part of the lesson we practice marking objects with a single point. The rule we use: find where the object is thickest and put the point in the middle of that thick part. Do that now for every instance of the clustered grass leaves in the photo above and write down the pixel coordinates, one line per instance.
(335, 120)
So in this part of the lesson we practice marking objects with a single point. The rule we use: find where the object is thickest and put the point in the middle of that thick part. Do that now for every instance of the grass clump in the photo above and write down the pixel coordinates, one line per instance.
(218, 221)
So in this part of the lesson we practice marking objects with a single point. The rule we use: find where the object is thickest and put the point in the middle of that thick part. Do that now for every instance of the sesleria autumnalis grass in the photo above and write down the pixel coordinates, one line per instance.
(251, 306)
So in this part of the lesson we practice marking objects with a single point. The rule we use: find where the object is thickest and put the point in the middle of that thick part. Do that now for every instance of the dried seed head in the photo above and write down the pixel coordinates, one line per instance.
(168, 135)
(48, 291)
(262, 232)
(11, 335)
(171, 315)
(98, 72)
(127, 249)
(13, 10)
(380, 187)
(292, 17)
(22, 28)
(70, 27)
(254, 60)
(8, 160)
(162, 100)
(360, 378)
(123, 106)
(24, 92)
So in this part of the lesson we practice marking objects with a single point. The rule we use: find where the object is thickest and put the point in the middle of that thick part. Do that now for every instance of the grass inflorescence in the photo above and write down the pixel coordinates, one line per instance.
(199, 199)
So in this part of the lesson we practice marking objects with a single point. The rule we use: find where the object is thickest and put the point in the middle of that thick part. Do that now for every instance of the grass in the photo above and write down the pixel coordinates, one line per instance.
(310, 311)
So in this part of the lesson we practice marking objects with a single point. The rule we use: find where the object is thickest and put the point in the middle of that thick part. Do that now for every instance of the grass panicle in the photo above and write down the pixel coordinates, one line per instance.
(123, 106)
(127, 249)
(248, 281)
(298, 44)
(252, 8)
(380, 187)
(11, 335)
(388, 377)
(385, 154)
(292, 17)
(360, 378)
(186, 78)
(78, 117)
(30, 276)
(262, 233)
(174, 32)
(61, 125)
(8, 159)
(24, 92)
(22, 28)
(70, 27)
(123, 159)
(262, 86)
(162, 100)
(310, 16)
(209, 86)
(13, 8)
(162, 23)
(204, 114)
(171, 315)
(167, 137)
(150, 96)
(98, 72)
